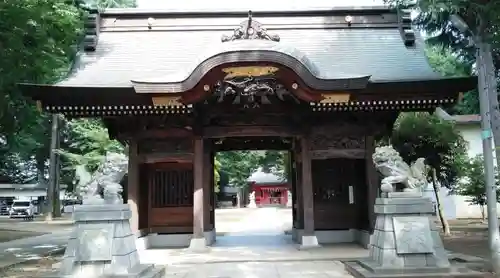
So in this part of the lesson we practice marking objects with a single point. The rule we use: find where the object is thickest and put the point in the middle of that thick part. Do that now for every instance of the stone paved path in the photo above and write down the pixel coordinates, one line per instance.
(319, 269)
(255, 247)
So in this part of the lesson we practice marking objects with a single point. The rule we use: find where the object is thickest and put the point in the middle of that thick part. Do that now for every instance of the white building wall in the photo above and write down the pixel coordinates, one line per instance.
(456, 206)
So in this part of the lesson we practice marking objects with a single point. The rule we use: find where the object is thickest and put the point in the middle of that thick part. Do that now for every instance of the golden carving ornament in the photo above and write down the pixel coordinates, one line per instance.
(167, 101)
(255, 71)
(335, 98)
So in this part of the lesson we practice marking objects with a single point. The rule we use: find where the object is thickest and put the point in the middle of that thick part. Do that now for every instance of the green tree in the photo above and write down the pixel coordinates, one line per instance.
(424, 135)
(217, 169)
(38, 42)
(438, 18)
(449, 63)
(85, 143)
(275, 162)
(239, 165)
(473, 184)
(105, 4)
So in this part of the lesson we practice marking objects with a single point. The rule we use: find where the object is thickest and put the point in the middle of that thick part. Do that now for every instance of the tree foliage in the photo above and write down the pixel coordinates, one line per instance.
(239, 165)
(473, 184)
(447, 62)
(424, 135)
(438, 19)
(39, 40)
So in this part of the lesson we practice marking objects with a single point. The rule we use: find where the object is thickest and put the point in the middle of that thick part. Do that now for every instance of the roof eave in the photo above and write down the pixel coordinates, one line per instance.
(352, 10)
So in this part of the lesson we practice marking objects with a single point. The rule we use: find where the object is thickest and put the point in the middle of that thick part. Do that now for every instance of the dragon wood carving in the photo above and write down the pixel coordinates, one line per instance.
(251, 91)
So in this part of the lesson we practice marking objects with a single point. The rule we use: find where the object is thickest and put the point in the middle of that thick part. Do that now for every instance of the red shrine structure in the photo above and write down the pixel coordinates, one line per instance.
(270, 189)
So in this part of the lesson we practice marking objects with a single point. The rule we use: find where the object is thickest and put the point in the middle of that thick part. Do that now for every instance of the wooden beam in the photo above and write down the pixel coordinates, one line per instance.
(338, 153)
(158, 133)
(165, 158)
(243, 131)
(252, 143)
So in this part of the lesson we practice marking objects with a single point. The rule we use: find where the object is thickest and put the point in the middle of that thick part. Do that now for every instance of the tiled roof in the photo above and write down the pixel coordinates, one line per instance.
(124, 54)
(459, 119)
(261, 177)
(254, 5)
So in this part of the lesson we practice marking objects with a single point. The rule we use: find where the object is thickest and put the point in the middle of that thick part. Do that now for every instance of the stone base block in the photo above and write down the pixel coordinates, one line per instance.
(336, 236)
(103, 245)
(198, 245)
(406, 242)
(309, 242)
(171, 240)
(358, 269)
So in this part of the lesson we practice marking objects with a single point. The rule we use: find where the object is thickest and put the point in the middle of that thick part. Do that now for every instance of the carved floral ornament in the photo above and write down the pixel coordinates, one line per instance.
(250, 29)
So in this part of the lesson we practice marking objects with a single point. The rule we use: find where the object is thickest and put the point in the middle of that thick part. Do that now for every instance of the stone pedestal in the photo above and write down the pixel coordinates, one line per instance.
(102, 245)
(405, 242)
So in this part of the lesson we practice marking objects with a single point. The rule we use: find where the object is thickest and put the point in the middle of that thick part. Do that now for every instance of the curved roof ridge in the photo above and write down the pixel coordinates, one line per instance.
(195, 6)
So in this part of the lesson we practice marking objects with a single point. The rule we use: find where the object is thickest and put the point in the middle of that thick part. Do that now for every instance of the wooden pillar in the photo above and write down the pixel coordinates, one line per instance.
(307, 188)
(298, 188)
(198, 199)
(213, 201)
(207, 187)
(133, 195)
(371, 181)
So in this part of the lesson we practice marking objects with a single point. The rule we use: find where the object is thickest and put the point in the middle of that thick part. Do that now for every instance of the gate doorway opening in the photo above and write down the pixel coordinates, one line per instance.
(256, 172)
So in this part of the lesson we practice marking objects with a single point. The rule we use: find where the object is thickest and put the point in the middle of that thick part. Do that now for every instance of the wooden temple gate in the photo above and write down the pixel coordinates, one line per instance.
(250, 89)
(175, 164)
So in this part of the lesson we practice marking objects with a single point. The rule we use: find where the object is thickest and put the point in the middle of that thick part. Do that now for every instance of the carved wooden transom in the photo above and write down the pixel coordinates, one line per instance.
(251, 91)
(326, 141)
(171, 145)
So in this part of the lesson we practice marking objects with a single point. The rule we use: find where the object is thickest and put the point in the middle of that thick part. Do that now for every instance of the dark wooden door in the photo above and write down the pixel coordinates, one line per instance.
(170, 196)
(338, 185)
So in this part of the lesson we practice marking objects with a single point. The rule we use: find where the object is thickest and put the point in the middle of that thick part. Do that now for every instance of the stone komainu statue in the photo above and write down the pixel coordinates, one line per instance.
(103, 186)
(395, 171)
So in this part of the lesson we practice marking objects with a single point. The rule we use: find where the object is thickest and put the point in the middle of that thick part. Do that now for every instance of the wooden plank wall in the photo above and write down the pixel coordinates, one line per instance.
(331, 181)
(170, 197)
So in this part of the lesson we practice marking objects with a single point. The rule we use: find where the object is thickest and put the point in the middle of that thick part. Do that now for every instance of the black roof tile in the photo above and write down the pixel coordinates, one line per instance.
(128, 51)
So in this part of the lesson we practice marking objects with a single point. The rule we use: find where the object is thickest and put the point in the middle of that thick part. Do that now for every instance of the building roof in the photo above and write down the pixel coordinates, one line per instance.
(467, 119)
(364, 51)
(261, 177)
(255, 5)
(127, 50)
(459, 119)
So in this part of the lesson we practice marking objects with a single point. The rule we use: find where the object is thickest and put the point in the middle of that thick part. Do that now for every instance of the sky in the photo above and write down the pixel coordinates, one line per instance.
(254, 5)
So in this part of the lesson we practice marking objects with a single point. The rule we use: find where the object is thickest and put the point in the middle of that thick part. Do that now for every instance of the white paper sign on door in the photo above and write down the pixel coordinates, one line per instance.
(351, 195)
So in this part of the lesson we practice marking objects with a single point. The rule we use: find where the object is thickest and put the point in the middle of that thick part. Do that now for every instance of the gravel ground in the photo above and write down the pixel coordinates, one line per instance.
(8, 235)
(35, 268)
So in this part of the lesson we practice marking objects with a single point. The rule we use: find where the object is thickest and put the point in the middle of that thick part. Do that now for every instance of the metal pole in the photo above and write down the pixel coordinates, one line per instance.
(486, 134)
(493, 98)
